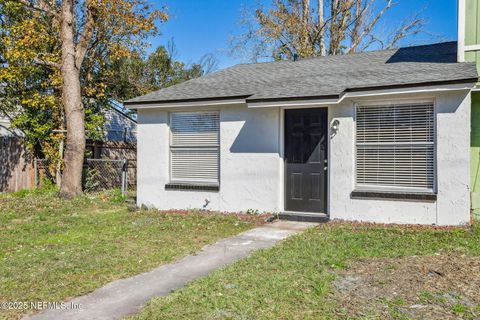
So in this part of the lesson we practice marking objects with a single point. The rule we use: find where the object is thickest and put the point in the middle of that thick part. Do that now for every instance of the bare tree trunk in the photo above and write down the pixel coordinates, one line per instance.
(305, 11)
(341, 15)
(359, 14)
(334, 8)
(305, 31)
(321, 27)
(72, 104)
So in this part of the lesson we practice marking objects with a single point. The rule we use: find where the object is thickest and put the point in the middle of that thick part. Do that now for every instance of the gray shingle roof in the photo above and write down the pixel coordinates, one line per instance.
(324, 76)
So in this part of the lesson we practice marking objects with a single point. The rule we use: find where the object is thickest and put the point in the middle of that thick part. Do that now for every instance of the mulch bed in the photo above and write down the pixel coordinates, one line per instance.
(442, 286)
(257, 219)
(360, 225)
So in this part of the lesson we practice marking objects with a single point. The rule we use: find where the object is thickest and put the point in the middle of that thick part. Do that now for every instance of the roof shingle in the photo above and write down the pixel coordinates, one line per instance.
(324, 76)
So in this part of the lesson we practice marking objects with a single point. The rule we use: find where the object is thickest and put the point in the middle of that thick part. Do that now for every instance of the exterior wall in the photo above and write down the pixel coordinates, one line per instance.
(251, 166)
(453, 198)
(249, 162)
(469, 50)
(475, 153)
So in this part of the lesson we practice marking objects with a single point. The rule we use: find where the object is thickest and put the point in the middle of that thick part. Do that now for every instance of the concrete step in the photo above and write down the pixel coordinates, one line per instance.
(303, 216)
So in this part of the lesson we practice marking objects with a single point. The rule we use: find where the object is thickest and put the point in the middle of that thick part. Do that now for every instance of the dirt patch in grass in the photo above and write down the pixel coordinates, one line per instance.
(442, 286)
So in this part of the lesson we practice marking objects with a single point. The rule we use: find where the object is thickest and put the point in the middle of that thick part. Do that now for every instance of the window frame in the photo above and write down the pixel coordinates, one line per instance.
(191, 184)
(396, 189)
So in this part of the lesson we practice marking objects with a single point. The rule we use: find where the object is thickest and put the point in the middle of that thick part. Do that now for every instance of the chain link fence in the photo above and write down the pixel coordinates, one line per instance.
(98, 174)
(45, 172)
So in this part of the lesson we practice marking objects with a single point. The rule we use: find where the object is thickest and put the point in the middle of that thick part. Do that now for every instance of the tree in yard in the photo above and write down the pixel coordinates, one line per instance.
(137, 75)
(57, 51)
(316, 28)
(34, 86)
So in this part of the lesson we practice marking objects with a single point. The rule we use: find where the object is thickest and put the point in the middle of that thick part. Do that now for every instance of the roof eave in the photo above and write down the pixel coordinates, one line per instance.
(471, 80)
(179, 103)
(299, 100)
(437, 87)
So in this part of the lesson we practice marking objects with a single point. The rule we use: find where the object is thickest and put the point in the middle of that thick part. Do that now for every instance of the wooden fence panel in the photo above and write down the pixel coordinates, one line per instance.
(16, 167)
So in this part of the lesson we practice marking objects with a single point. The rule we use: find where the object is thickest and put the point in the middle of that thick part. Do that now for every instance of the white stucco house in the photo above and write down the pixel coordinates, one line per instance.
(381, 136)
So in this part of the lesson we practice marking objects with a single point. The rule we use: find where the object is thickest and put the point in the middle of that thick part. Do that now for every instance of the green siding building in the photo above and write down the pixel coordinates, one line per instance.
(469, 50)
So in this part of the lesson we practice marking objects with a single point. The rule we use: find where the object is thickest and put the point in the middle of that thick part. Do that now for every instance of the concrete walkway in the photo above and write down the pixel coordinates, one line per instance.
(125, 297)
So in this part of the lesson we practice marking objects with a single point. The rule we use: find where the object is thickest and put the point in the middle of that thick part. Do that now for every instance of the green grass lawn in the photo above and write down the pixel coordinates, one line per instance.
(294, 279)
(52, 249)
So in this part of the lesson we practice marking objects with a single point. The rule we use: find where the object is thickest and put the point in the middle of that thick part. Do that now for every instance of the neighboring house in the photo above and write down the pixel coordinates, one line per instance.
(469, 50)
(380, 136)
(119, 126)
(118, 143)
(16, 170)
(5, 130)
(4, 127)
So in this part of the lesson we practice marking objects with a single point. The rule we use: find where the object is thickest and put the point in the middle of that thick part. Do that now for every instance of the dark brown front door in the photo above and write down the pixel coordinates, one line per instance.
(306, 135)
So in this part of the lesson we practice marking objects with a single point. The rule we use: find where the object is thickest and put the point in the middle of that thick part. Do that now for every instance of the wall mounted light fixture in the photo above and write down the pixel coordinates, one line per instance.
(334, 126)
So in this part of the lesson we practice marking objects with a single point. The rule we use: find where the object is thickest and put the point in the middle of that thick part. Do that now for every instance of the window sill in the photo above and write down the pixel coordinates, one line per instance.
(191, 186)
(393, 195)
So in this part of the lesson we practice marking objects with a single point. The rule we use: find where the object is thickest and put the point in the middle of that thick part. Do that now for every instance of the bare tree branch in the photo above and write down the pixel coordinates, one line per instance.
(87, 34)
(407, 29)
(291, 26)
(368, 28)
(372, 39)
(51, 64)
(208, 63)
(357, 24)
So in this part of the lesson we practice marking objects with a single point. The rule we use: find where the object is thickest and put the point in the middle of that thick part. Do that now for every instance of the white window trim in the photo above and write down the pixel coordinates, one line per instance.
(393, 189)
(189, 182)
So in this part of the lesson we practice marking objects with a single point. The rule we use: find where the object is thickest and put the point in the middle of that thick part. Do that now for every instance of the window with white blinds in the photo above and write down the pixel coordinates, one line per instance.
(195, 147)
(395, 147)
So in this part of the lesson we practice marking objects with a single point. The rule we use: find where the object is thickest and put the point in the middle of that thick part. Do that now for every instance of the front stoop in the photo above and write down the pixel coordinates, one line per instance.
(304, 216)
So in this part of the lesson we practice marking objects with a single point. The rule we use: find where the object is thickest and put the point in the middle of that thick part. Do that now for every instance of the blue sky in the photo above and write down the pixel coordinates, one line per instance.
(200, 27)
